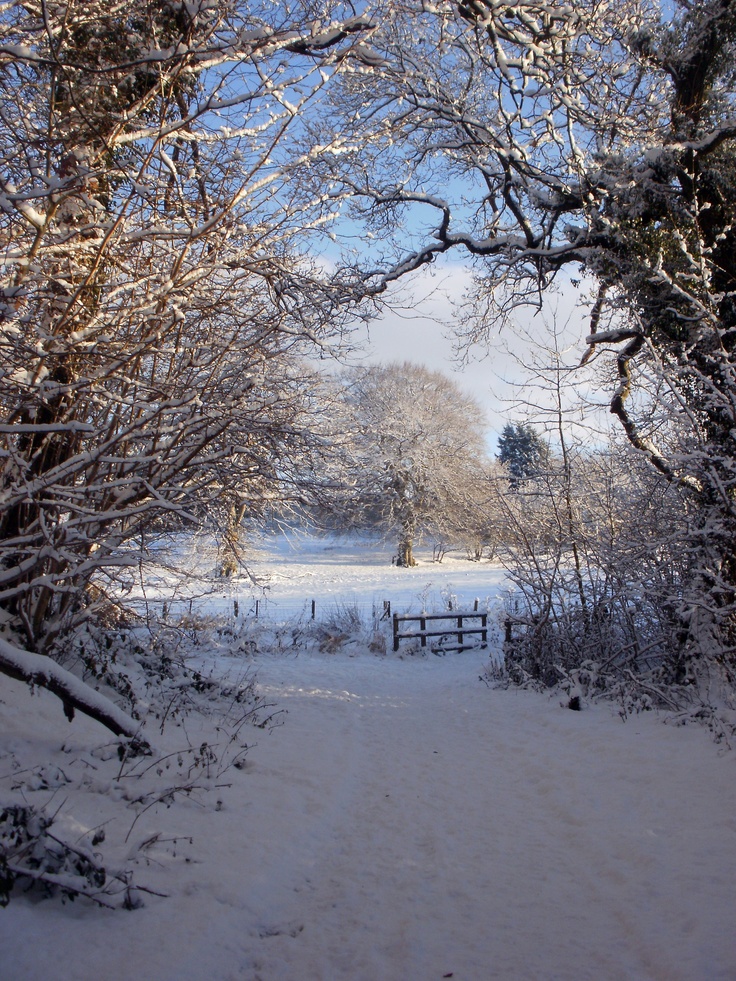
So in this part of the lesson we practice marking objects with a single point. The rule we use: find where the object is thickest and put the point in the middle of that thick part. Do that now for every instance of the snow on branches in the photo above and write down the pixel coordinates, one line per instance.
(157, 300)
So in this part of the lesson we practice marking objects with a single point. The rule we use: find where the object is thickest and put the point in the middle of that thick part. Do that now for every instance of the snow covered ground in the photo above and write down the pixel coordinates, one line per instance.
(408, 823)
(334, 571)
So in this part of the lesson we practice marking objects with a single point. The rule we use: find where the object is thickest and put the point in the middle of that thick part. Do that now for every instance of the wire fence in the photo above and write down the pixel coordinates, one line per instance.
(273, 611)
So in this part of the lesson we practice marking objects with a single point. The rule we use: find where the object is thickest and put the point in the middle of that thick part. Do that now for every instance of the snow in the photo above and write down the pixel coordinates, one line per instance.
(405, 823)
(335, 572)
(46, 672)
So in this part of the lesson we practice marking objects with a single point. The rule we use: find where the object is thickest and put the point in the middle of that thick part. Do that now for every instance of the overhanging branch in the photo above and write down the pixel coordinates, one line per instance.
(37, 669)
(635, 343)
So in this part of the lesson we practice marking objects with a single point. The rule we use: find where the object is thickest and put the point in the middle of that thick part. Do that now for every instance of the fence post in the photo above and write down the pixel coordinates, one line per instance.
(484, 623)
(257, 601)
(423, 628)
(314, 608)
(460, 632)
(396, 631)
(475, 605)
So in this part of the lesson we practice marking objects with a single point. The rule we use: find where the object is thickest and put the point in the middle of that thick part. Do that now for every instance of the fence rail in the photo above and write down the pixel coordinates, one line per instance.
(459, 625)
(459, 630)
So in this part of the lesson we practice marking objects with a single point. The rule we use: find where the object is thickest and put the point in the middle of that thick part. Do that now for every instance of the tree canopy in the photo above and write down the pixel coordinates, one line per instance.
(418, 441)
(157, 297)
(551, 141)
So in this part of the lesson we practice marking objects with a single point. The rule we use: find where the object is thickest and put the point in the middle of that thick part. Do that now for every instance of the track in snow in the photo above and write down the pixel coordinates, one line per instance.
(431, 828)
(409, 824)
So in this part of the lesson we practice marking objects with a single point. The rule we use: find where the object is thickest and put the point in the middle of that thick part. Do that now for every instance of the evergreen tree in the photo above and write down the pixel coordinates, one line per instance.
(522, 450)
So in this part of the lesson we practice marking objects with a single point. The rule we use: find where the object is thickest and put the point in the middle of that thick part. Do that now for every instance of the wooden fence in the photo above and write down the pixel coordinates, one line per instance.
(458, 629)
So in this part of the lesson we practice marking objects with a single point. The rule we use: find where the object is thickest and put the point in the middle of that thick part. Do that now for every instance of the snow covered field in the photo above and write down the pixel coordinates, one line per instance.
(334, 572)
(406, 823)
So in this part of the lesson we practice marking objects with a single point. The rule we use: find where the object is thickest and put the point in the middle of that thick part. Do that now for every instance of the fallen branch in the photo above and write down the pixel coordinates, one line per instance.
(38, 669)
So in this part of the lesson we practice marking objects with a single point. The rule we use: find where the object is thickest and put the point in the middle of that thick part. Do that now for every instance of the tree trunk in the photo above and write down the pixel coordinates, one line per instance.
(406, 553)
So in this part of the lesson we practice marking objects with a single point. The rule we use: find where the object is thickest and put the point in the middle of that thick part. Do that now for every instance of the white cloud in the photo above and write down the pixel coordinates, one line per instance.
(420, 328)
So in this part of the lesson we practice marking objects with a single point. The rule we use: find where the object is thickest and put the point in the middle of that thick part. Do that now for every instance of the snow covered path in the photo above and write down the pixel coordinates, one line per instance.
(409, 824)
(443, 829)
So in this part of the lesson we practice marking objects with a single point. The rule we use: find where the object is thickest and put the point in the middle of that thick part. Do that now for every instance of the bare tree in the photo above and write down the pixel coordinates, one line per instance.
(474, 520)
(157, 298)
(597, 554)
(416, 435)
(545, 139)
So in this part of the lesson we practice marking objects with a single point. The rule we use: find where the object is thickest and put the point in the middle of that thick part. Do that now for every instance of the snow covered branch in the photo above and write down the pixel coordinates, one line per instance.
(37, 669)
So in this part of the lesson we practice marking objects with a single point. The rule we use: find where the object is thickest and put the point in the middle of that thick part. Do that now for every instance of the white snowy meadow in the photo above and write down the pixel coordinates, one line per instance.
(405, 820)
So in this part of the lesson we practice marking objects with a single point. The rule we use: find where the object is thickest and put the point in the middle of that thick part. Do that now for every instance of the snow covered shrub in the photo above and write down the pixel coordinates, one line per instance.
(343, 623)
(32, 857)
(343, 617)
(549, 632)
(153, 672)
(624, 646)
(377, 643)
(338, 626)
(194, 727)
(607, 603)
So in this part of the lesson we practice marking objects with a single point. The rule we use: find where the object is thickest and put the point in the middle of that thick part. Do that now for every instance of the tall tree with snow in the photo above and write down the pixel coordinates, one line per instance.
(157, 299)
(416, 438)
(546, 140)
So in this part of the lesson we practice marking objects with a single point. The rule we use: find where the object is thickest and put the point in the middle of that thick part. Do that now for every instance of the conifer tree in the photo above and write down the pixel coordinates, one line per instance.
(522, 450)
